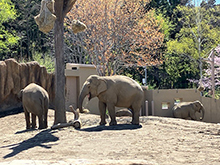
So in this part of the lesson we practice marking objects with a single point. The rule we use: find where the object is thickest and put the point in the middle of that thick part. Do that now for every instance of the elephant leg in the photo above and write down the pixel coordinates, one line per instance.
(135, 114)
(41, 122)
(111, 111)
(33, 118)
(27, 119)
(102, 110)
(45, 119)
(193, 115)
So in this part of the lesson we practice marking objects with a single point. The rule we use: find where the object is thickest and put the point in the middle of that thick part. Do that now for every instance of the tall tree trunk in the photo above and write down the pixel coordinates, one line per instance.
(60, 112)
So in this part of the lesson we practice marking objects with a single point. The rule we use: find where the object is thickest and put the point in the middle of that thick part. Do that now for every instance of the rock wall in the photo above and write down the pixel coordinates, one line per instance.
(15, 76)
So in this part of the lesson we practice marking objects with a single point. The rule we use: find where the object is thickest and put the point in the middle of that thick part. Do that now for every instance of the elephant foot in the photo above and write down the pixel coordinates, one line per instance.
(102, 123)
(135, 123)
(113, 123)
(42, 127)
(33, 127)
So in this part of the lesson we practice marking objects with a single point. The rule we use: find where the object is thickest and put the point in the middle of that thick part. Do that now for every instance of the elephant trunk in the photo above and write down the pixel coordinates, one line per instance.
(84, 91)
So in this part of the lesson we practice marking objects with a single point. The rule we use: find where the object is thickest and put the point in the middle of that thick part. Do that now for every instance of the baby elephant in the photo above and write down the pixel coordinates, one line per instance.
(35, 100)
(187, 110)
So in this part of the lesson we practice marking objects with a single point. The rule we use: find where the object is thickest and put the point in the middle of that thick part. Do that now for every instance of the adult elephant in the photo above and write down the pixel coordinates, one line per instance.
(187, 110)
(119, 91)
(35, 100)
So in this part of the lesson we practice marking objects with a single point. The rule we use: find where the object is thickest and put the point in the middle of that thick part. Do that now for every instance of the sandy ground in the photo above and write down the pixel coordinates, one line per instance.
(162, 141)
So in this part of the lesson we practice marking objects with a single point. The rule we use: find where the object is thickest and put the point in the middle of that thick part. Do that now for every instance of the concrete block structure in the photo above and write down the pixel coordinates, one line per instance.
(76, 74)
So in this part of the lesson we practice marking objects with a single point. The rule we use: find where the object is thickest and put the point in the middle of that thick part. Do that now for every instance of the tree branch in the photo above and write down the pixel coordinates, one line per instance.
(67, 6)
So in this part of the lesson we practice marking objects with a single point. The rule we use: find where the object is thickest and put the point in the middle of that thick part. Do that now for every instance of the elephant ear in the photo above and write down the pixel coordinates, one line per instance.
(19, 95)
(102, 87)
(196, 105)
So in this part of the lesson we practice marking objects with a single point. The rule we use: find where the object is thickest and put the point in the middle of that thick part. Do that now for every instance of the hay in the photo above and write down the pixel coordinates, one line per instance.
(78, 26)
(45, 20)
(201, 88)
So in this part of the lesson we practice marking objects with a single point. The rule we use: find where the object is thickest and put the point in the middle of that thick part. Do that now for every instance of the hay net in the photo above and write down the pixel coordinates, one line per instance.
(45, 20)
(78, 26)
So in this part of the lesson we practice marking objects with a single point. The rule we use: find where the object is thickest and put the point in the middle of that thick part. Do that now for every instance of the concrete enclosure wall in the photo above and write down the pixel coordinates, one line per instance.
(15, 76)
(161, 102)
(156, 102)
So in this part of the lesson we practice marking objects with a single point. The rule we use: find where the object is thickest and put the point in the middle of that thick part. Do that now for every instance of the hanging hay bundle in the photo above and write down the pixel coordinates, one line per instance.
(201, 88)
(45, 20)
(78, 26)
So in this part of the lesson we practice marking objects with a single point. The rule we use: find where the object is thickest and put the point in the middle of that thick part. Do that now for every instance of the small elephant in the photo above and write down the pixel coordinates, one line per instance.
(35, 100)
(187, 110)
(119, 91)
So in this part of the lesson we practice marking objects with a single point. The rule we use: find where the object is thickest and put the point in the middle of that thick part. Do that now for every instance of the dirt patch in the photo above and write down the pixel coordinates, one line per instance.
(156, 141)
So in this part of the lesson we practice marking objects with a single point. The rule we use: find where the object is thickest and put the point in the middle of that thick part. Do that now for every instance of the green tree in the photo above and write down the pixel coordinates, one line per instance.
(32, 41)
(166, 7)
(197, 36)
(7, 36)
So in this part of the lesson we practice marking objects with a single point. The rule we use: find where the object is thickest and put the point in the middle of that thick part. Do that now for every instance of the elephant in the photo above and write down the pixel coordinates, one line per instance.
(35, 100)
(119, 91)
(187, 110)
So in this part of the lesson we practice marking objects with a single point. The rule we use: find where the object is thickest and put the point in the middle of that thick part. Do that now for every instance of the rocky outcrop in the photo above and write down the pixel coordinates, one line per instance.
(15, 76)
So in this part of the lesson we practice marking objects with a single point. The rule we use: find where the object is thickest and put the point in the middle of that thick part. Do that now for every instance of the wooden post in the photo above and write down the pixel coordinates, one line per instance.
(62, 7)
(60, 113)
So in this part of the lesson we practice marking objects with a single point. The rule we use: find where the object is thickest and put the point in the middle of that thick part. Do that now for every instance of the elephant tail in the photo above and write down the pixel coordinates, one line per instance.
(173, 111)
(46, 103)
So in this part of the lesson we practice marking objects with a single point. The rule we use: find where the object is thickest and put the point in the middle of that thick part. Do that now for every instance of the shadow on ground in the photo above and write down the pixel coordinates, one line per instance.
(114, 127)
(40, 139)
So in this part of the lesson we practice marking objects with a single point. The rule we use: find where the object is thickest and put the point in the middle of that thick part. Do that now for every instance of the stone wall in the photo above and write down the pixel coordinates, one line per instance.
(15, 76)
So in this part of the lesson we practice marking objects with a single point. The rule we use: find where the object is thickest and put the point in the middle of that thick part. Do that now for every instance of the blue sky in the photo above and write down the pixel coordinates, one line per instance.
(199, 1)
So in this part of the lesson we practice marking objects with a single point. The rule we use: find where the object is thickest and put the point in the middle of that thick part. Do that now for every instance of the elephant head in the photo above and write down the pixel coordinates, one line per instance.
(19, 95)
(197, 105)
(93, 86)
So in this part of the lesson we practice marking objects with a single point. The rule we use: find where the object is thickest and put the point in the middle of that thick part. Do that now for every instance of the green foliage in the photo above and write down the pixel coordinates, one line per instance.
(131, 76)
(193, 42)
(30, 39)
(45, 60)
(166, 7)
(7, 11)
(166, 26)
(7, 37)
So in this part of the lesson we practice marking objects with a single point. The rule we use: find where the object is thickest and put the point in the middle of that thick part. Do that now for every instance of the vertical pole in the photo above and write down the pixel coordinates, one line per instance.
(145, 71)
(146, 108)
(152, 104)
(213, 74)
